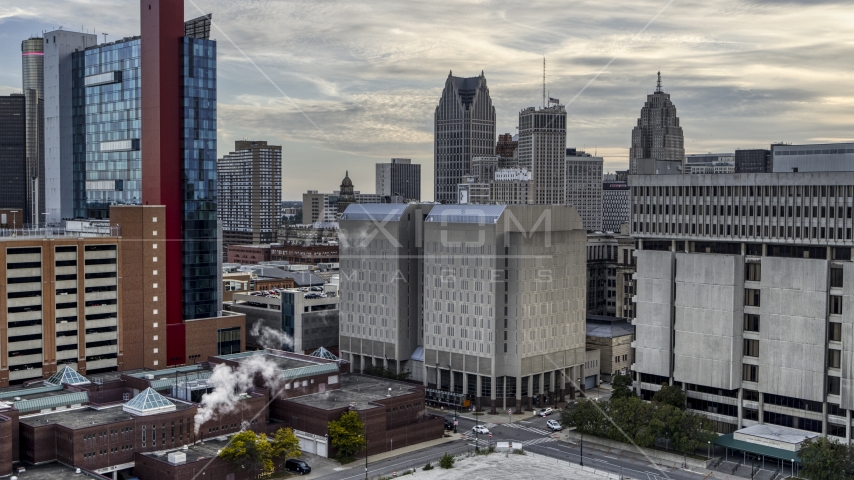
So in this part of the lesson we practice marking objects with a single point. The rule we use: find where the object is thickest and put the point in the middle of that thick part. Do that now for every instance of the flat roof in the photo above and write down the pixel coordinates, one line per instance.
(608, 327)
(756, 449)
(361, 389)
(87, 416)
(777, 433)
(207, 449)
(50, 471)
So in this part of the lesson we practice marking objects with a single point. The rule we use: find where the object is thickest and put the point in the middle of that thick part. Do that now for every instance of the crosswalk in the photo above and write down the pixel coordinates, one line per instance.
(538, 431)
(538, 441)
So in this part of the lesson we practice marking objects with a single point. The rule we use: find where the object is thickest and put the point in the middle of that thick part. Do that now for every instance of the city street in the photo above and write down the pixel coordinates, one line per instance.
(535, 437)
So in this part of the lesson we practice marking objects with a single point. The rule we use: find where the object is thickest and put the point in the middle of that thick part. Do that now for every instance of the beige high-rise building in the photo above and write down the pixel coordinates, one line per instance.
(542, 150)
(657, 141)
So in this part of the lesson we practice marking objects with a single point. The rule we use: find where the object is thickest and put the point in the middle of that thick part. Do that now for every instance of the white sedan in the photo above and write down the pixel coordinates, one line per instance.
(554, 425)
(480, 429)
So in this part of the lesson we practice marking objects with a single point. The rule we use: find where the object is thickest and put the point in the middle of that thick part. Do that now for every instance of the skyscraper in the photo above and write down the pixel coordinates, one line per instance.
(107, 156)
(179, 162)
(32, 63)
(615, 205)
(657, 142)
(13, 155)
(59, 47)
(464, 127)
(249, 193)
(584, 187)
(542, 150)
(399, 177)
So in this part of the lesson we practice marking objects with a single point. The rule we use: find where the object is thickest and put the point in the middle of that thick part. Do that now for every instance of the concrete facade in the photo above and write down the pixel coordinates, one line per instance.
(743, 285)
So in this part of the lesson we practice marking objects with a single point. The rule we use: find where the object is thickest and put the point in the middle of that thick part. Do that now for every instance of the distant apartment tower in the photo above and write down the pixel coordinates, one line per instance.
(657, 141)
(610, 265)
(512, 186)
(584, 187)
(825, 157)
(32, 68)
(399, 177)
(743, 296)
(464, 127)
(753, 160)
(59, 47)
(318, 207)
(542, 151)
(249, 193)
(616, 199)
(13, 155)
(107, 154)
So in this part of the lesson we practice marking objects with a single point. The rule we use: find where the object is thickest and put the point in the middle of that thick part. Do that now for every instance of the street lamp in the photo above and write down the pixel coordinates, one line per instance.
(14, 222)
(580, 442)
(710, 448)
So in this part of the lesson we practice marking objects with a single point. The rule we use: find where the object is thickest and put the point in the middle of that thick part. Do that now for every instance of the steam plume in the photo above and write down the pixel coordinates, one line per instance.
(270, 337)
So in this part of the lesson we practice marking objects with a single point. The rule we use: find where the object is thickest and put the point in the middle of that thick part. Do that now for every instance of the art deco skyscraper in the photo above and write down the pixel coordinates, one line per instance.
(464, 127)
(657, 137)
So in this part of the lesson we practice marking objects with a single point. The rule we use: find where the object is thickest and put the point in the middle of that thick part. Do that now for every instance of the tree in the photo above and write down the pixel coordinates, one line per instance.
(285, 444)
(251, 451)
(670, 395)
(823, 459)
(447, 461)
(346, 434)
(621, 387)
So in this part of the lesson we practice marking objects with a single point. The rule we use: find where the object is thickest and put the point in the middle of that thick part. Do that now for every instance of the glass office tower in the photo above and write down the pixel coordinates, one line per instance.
(198, 142)
(107, 127)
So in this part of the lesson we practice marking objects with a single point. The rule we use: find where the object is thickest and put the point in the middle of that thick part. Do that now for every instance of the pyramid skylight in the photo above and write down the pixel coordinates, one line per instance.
(148, 402)
(324, 353)
(69, 376)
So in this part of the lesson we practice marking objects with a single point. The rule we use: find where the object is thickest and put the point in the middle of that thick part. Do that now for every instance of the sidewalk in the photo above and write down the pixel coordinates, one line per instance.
(484, 417)
(360, 462)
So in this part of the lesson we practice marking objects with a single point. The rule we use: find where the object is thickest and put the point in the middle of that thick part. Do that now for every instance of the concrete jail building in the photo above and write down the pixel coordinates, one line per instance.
(485, 301)
(744, 296)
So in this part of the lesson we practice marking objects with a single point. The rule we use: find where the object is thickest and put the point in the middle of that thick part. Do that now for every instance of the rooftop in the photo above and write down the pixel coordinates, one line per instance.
(284, 362)
(359, 389)
(200, 451)
(86, 417)
(608, 327)
(51, 471)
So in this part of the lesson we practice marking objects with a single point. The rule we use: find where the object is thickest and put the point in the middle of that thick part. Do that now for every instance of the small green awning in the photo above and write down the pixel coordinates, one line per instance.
(742, 446)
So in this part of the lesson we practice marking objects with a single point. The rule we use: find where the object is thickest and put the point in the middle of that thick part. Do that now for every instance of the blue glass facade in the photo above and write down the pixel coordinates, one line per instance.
(107, 128)
(198, 143)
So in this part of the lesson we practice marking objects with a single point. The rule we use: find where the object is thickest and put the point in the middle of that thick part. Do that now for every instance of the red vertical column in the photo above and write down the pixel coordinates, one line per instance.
(162, 27)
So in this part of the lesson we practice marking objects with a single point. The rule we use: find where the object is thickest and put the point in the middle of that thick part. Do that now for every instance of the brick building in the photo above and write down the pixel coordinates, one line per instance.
(305, 254)
(248, 254)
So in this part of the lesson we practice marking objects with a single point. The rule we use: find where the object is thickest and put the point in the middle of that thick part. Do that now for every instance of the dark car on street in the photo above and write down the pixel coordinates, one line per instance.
(298, 466)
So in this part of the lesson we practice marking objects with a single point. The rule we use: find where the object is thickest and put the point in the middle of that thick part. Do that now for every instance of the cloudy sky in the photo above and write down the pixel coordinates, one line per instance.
(345, 84)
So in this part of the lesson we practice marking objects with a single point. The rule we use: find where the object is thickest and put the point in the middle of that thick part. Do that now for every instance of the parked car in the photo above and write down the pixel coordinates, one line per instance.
(294, 465)
(480, 429)
(554, 425)
(546, 411)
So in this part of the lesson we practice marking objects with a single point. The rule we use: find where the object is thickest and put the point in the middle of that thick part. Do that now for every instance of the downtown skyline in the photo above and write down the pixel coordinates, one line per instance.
(742, 74)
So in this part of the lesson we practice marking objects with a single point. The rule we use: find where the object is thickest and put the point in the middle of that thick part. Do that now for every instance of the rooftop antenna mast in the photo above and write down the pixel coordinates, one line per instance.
(105, 37)
(544, 81)
(658, 84)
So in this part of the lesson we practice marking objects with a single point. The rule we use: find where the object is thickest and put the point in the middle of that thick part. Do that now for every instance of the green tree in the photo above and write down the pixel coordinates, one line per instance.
(670, 395)
(250, 451)
(346, 434)
(285, 444)
(588, 416)
(447, 461)
(694, 431)
(629, 415)
(823, 459)
(621, 387)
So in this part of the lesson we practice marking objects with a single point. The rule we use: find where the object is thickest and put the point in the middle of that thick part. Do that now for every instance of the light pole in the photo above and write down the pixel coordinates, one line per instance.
(14, 222)
(710, 448)
(366, 449)
(580, 442)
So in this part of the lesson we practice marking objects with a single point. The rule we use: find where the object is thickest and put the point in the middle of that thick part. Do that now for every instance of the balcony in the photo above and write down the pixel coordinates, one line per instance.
(24, 287)
(25, 374)
(107, 362)
(66, 284)
(102, 350)
(101, 296)
(100, 282)
(66, 327)
(66, 354)
(25, 345)
(104, 322)
(24, 301)
(29, 330)
(100, 268)
(25, 359)
(66, 270)
(92, 255)
(69, 340)
(101, 309)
